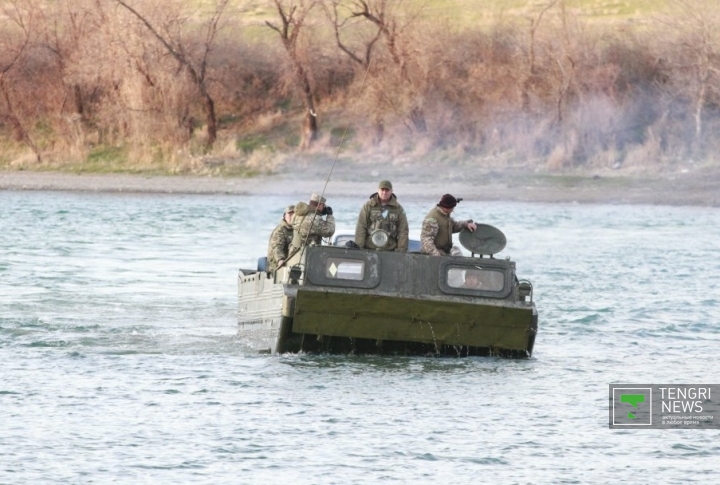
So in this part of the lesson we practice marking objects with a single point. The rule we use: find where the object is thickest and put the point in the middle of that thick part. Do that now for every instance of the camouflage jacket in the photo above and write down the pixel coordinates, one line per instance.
(390, 217)
(309, 227)
(437, 231)
(279, 244)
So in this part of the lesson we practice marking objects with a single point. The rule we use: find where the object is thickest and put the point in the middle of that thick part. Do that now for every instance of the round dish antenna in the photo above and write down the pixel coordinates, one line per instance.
(486, 239)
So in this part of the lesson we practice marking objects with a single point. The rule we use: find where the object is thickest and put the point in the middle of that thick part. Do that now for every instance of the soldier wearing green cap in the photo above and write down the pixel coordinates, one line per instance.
(382, 223)
(280, 240)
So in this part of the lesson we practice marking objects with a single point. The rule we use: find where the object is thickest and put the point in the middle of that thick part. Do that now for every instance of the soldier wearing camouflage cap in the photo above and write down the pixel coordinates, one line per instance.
(438, 227)
(382, 212)
(317, 198)
(309, 227)
(280, 239)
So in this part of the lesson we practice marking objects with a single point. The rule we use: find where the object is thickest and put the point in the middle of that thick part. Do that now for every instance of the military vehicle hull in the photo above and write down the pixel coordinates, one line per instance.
(340, 300)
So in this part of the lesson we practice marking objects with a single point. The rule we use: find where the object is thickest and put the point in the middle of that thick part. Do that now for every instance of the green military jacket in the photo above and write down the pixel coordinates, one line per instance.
(279, 244)
(309, 227)
(437, 231)
(390, 217)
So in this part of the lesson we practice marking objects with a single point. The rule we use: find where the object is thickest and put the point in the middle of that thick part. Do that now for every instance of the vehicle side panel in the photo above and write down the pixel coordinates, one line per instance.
(414, 320)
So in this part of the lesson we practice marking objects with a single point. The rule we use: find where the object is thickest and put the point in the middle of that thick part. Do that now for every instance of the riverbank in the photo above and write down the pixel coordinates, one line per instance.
(700, 187)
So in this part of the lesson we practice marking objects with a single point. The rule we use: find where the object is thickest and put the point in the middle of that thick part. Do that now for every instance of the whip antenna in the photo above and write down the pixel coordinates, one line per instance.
(337, 152)
(347, 127)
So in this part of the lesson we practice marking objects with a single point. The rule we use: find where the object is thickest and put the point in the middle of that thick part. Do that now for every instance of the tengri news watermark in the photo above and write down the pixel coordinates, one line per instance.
(664, 406)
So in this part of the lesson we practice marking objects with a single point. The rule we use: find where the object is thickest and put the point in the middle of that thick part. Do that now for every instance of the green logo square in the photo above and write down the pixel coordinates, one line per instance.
(632, 406)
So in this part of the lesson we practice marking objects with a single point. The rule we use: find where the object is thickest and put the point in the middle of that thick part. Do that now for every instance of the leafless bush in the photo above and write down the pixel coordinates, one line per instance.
(17, 63)
(551, 90)
(690, 51)
(247, 80)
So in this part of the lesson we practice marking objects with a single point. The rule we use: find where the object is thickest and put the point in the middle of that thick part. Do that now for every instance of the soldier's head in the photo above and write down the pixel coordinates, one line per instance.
(385, 191)
(317, 202)
(447, 203)
(289, 213)
(472, 280)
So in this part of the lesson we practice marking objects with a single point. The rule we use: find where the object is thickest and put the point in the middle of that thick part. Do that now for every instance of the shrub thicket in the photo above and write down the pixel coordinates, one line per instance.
(552, 89)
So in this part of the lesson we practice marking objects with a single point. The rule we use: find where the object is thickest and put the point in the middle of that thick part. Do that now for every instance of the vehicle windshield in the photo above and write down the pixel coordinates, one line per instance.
(343, 269)
(341, 239)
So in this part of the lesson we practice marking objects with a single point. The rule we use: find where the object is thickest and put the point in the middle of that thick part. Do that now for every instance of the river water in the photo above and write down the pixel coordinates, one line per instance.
(120, 362)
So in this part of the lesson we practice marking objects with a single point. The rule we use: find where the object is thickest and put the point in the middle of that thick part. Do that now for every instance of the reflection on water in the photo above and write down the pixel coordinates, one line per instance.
(120, 362)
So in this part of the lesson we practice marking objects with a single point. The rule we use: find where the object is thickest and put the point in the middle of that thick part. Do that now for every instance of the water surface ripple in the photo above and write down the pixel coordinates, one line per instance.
(121, 365)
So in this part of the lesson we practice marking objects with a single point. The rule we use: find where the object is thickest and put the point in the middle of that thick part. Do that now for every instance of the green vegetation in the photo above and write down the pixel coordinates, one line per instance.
(250, 144)
(107, 155)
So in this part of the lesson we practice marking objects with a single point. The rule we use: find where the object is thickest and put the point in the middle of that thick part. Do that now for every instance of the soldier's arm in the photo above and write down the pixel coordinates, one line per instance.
(277, 245)
(458, 226)
(403, 231)
(361, 227)
(327, 227)
(427, 237)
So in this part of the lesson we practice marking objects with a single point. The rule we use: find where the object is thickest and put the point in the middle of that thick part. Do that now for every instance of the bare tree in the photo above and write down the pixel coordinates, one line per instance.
(382, 14)
(532, 71)
(566, 62)
(697, 70)
(361, 54)
(12, 51)
(359, 49)
(64, 28)
(195, 66)
(293, 15)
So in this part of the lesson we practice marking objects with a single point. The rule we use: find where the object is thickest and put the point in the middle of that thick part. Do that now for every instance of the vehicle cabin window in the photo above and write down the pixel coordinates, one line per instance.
(343, 238)
(476, 279)
(344, 269)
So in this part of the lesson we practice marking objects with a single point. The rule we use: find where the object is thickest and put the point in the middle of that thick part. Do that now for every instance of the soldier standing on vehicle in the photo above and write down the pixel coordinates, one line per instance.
(382, 223)
(309, 227)
(280, 239)
(438, 227)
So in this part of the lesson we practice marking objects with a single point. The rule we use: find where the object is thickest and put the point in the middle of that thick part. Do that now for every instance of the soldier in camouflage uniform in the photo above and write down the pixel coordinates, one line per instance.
(309, 227)
(382, 211)
(280, 240)
(438, 228)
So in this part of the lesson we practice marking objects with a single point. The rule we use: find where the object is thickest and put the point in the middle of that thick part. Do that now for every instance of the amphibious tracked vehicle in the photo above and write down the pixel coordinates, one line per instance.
(339, 299)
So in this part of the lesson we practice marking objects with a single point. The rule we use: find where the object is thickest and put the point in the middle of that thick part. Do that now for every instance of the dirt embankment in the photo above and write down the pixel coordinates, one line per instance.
(699, 187)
